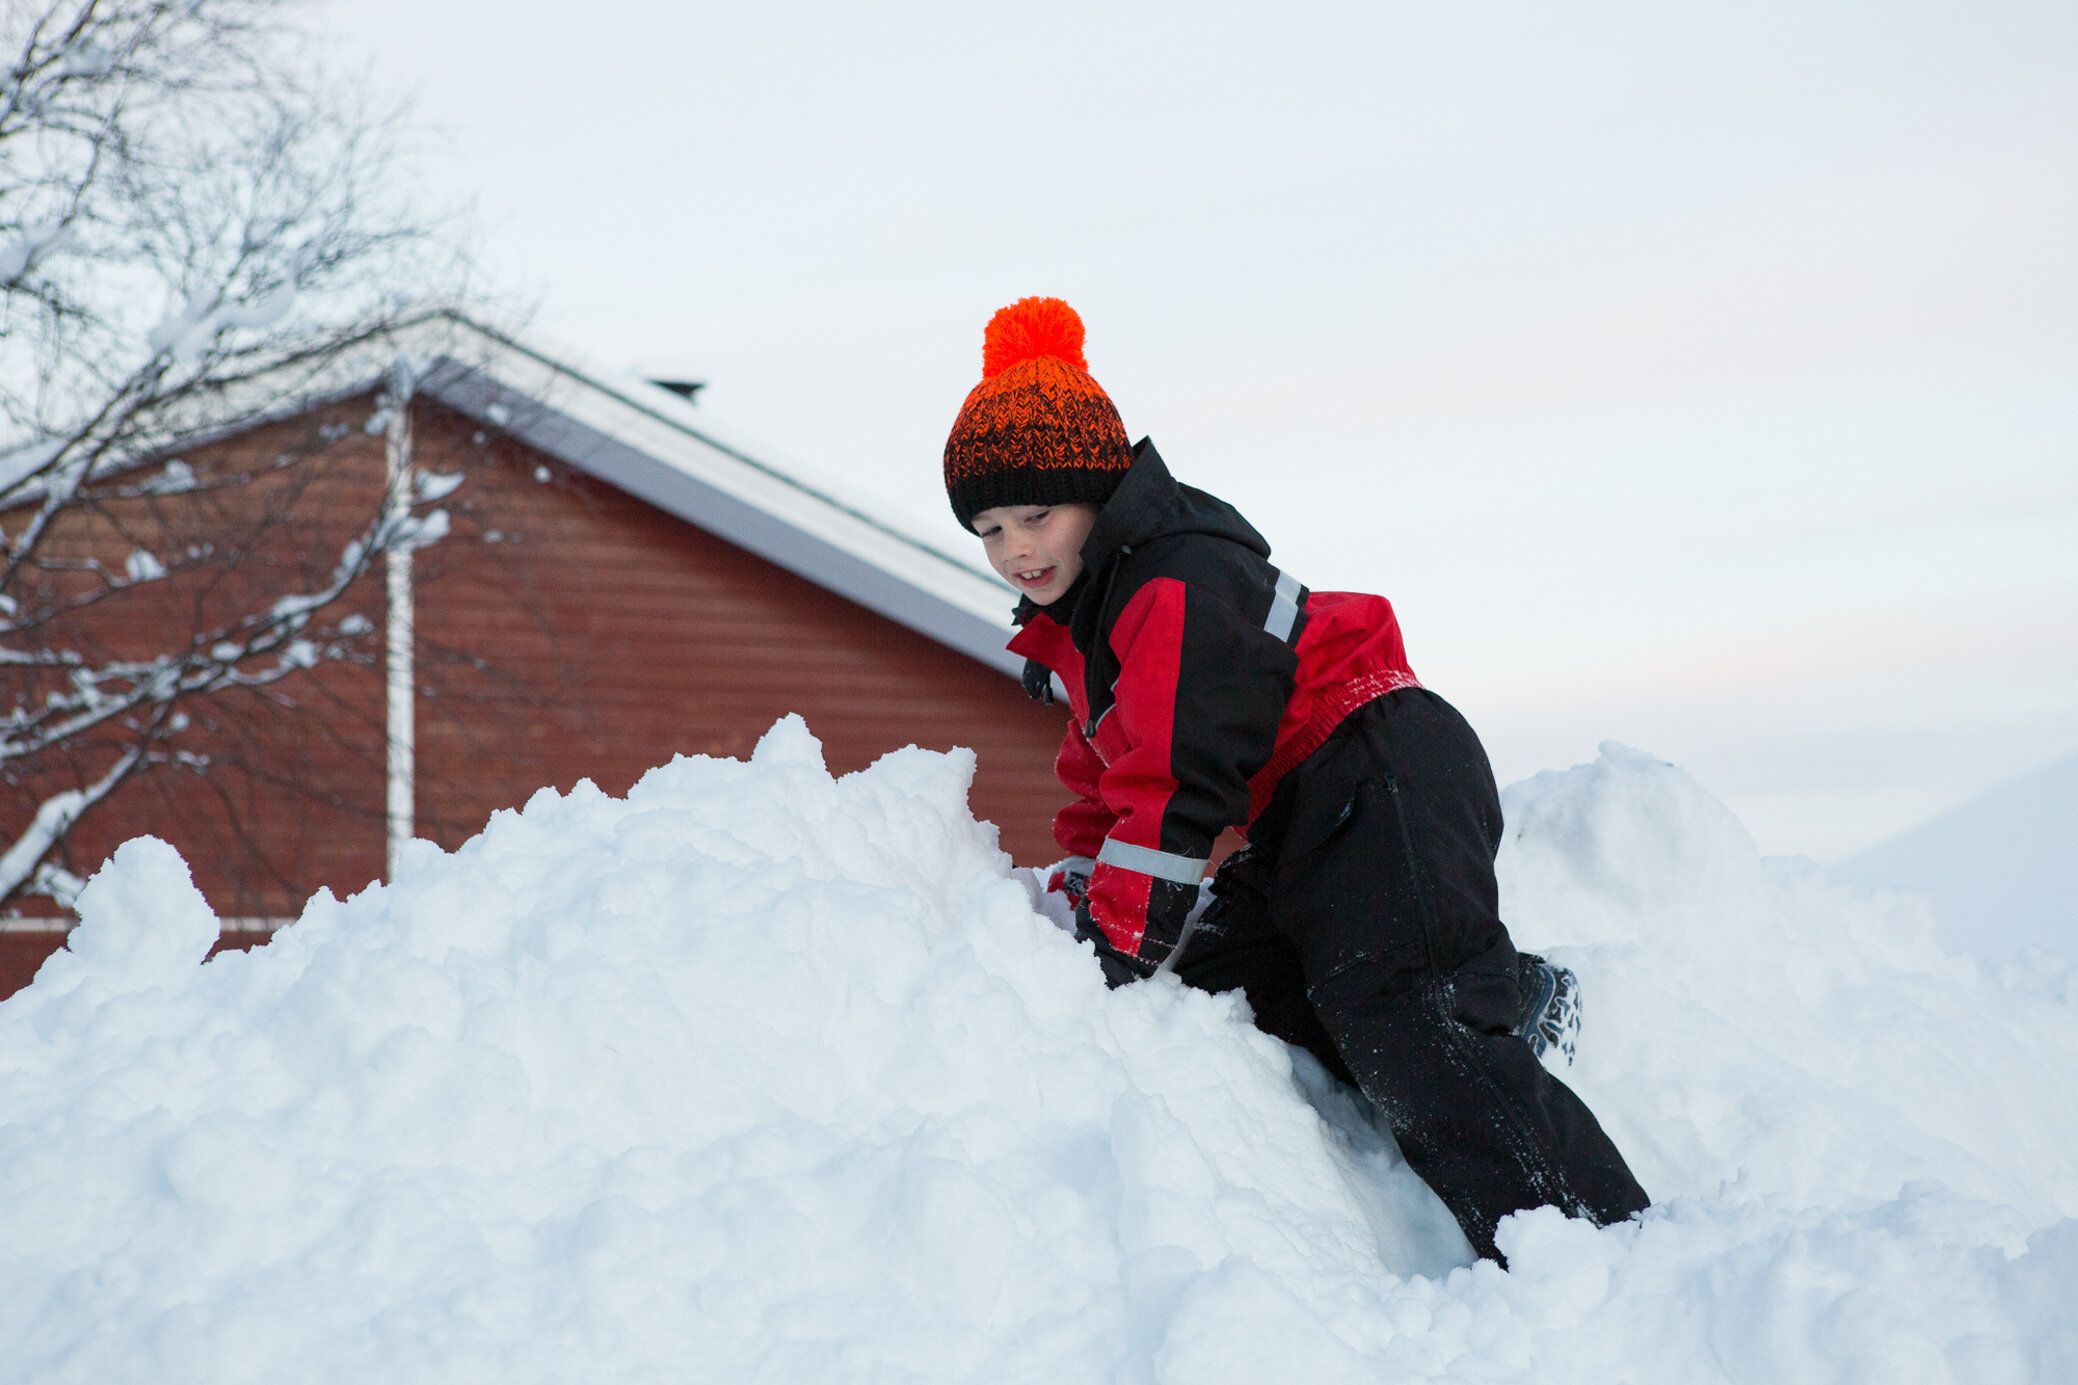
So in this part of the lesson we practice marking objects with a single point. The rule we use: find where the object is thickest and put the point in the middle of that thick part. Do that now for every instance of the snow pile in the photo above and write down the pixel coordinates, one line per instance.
(758, 1075)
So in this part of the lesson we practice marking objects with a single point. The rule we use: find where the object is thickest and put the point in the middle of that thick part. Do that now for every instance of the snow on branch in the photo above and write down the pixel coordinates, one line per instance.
(22, 863)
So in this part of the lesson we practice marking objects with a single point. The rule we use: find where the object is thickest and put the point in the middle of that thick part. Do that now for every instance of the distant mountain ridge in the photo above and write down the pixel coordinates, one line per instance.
(2002, 868)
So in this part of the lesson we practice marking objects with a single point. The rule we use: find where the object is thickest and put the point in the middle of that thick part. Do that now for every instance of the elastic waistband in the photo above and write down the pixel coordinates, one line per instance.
(1329, 714)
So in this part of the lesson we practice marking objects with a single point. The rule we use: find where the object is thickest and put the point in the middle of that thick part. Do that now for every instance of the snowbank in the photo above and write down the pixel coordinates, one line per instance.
(760, 1075)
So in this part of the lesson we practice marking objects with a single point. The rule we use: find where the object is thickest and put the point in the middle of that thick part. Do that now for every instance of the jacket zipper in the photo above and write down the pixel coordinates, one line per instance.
(1089, 730)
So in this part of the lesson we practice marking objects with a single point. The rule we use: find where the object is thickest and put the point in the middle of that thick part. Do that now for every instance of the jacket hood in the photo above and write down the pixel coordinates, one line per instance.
(1149, 504)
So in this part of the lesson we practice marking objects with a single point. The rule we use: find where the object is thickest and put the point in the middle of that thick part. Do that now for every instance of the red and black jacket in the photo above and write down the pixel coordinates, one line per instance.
(1197, 674)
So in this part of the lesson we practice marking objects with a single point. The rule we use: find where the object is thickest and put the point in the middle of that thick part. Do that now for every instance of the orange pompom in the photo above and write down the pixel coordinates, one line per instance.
(1029, 329)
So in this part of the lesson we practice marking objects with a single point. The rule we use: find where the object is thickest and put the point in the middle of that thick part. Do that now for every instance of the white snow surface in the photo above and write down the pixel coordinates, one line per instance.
(760, 1075)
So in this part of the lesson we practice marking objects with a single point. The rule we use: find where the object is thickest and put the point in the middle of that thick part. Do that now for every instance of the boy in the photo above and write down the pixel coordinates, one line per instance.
(1210, 689)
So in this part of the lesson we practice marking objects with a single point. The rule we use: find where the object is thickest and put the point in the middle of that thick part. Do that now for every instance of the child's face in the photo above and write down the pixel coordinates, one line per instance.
(1036, 548)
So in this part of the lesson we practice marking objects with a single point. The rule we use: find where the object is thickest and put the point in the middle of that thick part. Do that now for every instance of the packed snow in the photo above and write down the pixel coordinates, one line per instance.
(761, 1075)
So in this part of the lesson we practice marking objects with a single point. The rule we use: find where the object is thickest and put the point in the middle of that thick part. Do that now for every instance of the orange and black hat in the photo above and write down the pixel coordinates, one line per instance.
(1037, 430)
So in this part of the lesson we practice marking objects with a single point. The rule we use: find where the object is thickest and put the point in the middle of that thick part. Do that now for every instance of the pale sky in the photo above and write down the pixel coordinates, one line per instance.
(1703, 377)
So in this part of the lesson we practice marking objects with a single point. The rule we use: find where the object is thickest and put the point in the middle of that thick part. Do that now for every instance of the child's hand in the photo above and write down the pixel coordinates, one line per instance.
(1071, 878)
(1056, 890)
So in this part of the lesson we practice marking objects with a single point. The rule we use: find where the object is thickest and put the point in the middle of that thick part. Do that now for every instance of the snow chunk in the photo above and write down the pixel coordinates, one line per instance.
(187, 335)
(1638, 842)
(20, 252)
(436, 485)
(174, 478)
(19, 463)
(142, 923)
(411, 532)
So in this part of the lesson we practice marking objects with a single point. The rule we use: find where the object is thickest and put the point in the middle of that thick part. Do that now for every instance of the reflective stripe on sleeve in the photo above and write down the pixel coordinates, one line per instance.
(1162, 865)
(1284, 608)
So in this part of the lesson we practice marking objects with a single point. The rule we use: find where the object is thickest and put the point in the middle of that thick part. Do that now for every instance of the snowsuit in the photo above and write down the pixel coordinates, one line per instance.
(1208, 690)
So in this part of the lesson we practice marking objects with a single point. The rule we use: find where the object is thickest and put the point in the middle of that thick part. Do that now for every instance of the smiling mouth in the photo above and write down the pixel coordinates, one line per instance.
(1038, 577)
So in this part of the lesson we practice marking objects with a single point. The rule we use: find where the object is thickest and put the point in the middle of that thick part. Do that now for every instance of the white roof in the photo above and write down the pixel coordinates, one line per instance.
(653, 445)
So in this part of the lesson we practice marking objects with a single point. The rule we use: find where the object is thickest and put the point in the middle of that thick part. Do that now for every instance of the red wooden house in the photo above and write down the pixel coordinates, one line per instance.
(616, 585)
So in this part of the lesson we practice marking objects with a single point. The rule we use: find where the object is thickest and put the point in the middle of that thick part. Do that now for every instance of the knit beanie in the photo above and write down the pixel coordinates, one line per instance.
(1037, 430)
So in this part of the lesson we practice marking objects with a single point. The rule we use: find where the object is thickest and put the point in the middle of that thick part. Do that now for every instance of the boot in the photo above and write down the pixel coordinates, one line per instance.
(1550, 1016)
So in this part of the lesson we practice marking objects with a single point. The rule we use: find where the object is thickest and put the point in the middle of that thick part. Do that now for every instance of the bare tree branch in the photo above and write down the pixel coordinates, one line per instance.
(198, 231)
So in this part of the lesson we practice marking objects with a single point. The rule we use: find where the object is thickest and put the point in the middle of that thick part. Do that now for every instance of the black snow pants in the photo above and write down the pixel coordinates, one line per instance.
(1363, 922)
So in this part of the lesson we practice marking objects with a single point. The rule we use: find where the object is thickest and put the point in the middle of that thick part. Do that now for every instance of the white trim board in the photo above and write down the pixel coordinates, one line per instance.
(67, 923)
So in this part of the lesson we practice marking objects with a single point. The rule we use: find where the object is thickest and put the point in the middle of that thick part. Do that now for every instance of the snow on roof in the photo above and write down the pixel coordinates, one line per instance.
(653, 445)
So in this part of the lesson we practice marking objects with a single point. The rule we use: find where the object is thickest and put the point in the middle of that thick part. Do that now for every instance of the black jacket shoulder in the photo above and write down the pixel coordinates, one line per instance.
(1152, 528)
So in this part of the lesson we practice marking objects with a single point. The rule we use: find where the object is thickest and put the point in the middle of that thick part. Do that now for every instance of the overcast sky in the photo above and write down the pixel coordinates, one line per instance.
(1703, 377)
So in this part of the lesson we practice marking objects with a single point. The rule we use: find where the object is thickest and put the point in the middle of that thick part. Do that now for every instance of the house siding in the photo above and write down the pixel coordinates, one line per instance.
(565, 630)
